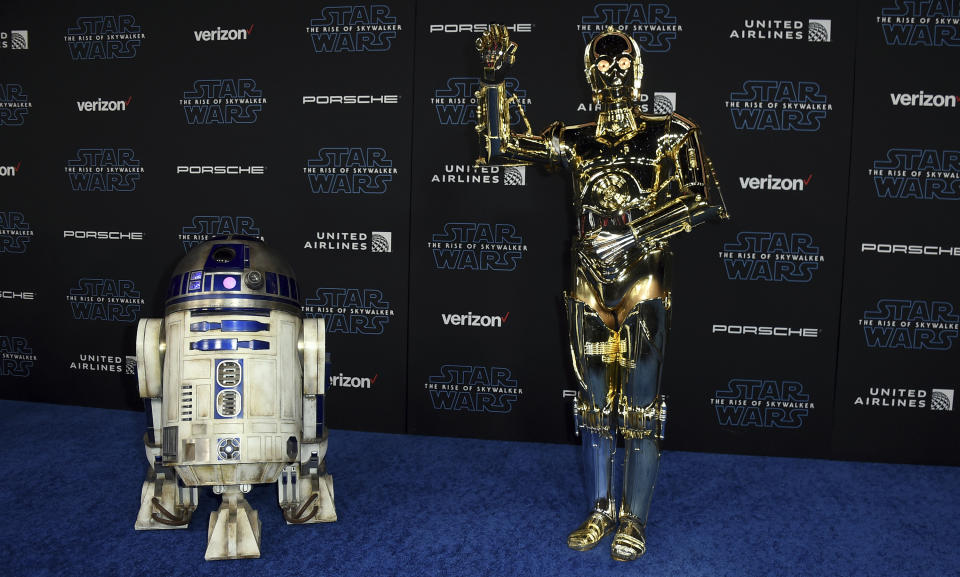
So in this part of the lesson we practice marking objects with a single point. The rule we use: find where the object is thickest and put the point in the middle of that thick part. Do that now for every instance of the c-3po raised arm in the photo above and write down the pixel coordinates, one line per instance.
(637, 181)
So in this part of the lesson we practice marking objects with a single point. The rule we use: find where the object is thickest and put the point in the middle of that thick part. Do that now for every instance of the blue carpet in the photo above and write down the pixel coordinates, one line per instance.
(411, 505)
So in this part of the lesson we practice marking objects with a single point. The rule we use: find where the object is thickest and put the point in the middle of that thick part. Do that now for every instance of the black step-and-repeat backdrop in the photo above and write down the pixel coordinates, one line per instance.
(819, 321)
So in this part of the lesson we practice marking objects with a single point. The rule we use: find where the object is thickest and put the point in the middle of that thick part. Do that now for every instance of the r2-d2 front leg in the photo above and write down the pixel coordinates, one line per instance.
(164, 502)
(305, 489)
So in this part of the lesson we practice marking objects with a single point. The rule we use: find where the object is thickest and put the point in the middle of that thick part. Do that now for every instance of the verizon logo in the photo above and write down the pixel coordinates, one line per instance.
(101, 105)
(771, 182)
(472, 320)
(925, 100)
(223, 34)
(10, 170)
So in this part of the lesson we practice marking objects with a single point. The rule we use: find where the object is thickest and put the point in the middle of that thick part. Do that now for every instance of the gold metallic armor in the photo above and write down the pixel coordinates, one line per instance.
(638, 180)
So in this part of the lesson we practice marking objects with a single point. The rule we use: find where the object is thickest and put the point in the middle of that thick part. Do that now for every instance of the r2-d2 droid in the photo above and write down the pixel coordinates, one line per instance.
(233, 379)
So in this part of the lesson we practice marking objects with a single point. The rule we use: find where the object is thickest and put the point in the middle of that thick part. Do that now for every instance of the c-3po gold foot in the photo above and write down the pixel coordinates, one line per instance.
(630, 541)
(595, 528)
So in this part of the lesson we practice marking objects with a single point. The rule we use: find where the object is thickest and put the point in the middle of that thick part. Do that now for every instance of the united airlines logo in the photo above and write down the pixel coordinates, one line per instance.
(15, 40)
(473, 389)
(917, 173)
(921, 23)
(350, 311)
(16, 357)
(762, 404)
(895, 397)
(772, 256)
(486, 174)
(911, 324)
(105, 299)
(477, 246)
(762, 29)
(350, 170)
(104, 37)
(15, 104)
(456, 103)
(364, 28)
(201, 228)
(778, 105)
(650, 23)
(104, 169)
(223, 101)
(97, 363)
(15, 232)
(376, 241)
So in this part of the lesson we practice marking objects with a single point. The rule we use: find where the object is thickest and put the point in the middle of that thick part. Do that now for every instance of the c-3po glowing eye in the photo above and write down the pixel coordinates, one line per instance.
(623, 63)
(603, 65)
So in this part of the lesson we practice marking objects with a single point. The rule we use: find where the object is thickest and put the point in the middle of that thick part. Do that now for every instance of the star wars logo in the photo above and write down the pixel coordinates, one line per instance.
(363, 28)
(474, 389)
(15, 232)
(104, 37)
(15, 104)
(486, 174)
(762, 403)
(778, 105)
(350, 170)
(347, 382)
(906, 398)
(16, 357)
(477, 246)
(911, 324)
(104, 169)
(376, 241)
(771, 182)
(351, 311)
(15, 40)
(456, 104)
(771, 256)
(650, 23)
(917, 173)
(223, 101)
(758, 29)
(101, 105)
(10, 169)
(104, 299)
(202, 228)
(921, 23)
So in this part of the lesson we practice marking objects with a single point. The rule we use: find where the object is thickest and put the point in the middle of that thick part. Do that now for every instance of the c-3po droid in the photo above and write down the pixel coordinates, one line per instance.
(638, 180)
(233, 378)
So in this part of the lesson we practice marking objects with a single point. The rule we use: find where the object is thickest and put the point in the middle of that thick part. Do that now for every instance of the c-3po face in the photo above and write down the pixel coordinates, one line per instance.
(613, 67)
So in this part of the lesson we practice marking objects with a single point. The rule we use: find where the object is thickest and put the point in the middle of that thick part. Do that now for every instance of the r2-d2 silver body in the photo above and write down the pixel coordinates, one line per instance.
(233, 378)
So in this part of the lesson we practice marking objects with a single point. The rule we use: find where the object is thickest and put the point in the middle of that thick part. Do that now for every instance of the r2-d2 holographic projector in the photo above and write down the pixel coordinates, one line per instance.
(233, 382)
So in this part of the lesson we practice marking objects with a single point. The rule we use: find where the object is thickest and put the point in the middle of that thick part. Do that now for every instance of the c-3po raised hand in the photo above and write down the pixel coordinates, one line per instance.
(637, 181)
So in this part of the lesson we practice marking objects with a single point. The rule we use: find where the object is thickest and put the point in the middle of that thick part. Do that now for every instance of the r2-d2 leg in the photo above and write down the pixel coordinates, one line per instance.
(594, 362)
(641, 416)
(164, 502)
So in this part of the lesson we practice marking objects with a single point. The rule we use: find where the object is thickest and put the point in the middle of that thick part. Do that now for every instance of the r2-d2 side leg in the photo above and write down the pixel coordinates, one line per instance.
(305, 489)
(593, 347)
(164, 502)
(641, 417)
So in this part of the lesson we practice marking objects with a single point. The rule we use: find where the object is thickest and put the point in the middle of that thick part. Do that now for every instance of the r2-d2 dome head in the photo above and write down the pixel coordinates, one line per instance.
(613, 67)
(233, 273)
